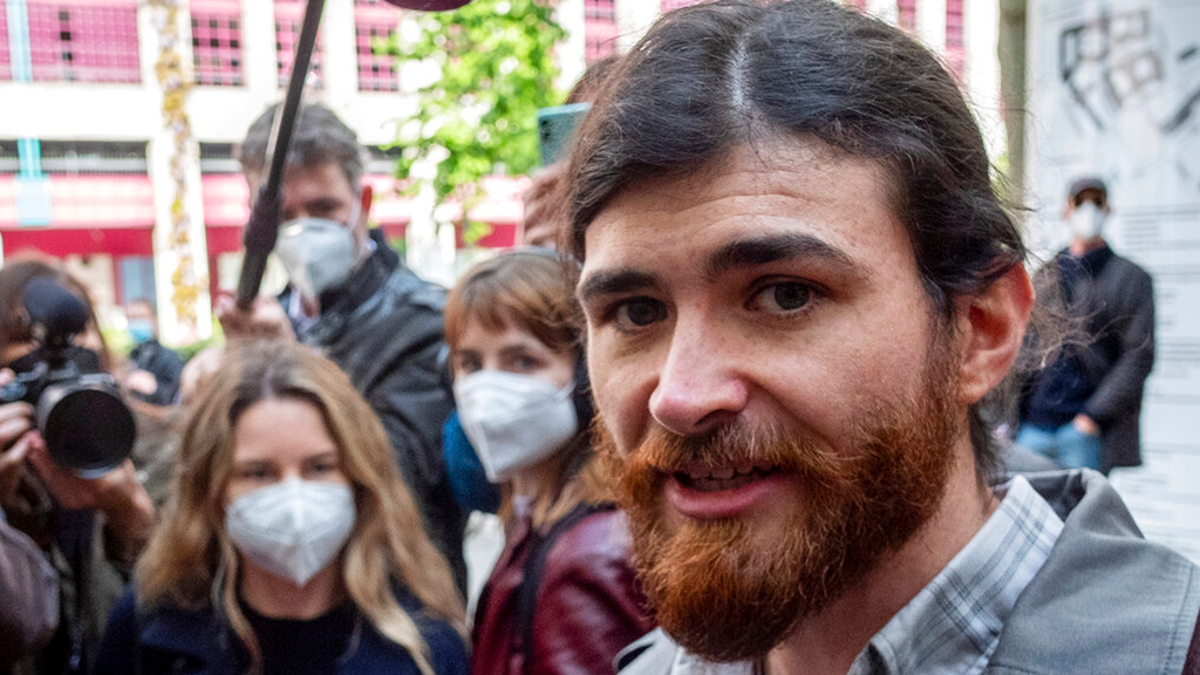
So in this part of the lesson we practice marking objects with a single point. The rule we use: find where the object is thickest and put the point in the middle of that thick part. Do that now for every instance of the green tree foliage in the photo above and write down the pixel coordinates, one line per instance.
(496, 59)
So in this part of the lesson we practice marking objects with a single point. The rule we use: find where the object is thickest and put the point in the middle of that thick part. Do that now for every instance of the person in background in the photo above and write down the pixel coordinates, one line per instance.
(90, 529)
(352, 297)
(154, 370)
(544, 219)
(299, 552)
(562, 599)
(28, 582)
(1084, 408)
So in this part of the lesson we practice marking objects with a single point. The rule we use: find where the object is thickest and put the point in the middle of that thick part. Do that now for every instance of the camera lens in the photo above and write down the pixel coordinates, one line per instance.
(87, 427)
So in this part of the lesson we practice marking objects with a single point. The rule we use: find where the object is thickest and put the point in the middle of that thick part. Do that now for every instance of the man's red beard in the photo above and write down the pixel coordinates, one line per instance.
(728, 595)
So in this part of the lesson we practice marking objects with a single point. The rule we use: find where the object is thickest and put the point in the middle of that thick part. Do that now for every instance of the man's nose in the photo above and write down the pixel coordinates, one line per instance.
(700, 386)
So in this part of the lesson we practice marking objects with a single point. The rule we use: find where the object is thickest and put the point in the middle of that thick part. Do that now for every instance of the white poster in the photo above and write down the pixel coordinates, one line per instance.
(1115, 92)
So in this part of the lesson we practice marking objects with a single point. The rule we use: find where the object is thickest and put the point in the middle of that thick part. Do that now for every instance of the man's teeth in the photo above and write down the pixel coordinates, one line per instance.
(710, 479)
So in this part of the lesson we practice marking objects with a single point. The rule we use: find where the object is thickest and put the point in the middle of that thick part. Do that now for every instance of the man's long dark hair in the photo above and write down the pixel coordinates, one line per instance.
(710, 77)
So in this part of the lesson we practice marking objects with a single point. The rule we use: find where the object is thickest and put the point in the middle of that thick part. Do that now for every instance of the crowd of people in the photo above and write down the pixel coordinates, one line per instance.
(741, 411)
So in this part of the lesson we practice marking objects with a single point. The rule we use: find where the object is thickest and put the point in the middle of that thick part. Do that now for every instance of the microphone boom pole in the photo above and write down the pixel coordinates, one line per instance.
(263, 226)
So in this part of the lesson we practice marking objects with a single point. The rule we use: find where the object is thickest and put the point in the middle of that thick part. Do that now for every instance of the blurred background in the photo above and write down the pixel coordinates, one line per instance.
(119, 119)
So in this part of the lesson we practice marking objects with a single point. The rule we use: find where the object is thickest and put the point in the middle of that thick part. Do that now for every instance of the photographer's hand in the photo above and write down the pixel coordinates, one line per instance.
(128, 510)
(265, 319)
(544, 204)
(16, 423)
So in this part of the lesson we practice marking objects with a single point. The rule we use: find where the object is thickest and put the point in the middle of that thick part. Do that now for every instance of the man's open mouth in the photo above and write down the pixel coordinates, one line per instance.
(704, 478)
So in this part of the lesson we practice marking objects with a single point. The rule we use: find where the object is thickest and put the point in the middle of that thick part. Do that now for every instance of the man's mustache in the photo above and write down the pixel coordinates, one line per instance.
(736, 444)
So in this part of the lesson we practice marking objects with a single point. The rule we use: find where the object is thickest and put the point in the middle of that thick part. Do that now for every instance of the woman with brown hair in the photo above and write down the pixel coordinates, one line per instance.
(562, 598)
(290, 544)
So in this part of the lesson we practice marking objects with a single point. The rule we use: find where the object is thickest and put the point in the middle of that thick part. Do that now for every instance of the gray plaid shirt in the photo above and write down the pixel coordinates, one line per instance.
(953, 625)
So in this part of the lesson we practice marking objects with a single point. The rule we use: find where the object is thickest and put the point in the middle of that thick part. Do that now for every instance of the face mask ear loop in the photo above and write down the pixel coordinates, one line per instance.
(352, 223)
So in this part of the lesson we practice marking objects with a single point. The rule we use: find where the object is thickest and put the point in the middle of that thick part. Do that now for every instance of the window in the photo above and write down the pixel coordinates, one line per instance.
(668, 5)
(289, 17)
(906, 15)
(955, 49)
(599, 29)
(217, 42)
(93, 42)
(374, 23)
(5, 59)
(136, 279)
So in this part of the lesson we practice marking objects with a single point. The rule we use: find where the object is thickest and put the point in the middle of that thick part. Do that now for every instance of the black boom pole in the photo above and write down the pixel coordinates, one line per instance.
(263, 226)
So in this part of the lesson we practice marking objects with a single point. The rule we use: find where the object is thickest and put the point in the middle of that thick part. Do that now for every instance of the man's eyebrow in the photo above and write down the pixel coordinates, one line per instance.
(771, 248)
(610, 282)
(252, 463)
(322, 202)
(514, 350)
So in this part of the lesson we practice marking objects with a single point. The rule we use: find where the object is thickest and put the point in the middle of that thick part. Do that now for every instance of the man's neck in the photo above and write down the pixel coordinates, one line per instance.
(1082, 247)
(827, 643)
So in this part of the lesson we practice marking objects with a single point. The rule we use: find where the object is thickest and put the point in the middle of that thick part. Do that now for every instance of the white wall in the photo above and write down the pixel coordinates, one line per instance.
(1152, 167)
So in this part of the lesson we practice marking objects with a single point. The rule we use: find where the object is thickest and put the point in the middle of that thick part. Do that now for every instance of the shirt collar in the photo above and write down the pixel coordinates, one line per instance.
(953, 625)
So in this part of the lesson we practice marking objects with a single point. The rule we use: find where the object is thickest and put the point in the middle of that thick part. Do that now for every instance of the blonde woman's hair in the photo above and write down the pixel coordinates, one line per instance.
(190, 561)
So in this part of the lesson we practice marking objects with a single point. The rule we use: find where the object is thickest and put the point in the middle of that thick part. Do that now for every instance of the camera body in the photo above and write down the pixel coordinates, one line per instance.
(79, 409)
(86, 425)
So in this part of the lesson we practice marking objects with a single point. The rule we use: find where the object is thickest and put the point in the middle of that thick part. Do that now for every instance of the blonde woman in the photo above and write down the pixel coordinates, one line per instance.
(290, 544)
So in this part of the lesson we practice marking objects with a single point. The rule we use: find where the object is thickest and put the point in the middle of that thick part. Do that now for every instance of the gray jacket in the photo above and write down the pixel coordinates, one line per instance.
(1107, 602)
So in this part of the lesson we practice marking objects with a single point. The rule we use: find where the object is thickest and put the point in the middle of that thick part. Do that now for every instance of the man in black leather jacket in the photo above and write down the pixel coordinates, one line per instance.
(352, 297)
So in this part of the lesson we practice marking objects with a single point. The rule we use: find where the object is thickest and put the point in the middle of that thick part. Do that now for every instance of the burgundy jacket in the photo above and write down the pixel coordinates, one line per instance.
(588, 605)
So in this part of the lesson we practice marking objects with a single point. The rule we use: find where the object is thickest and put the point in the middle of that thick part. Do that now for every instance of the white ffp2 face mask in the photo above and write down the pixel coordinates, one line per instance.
(1087, 221)
(317, 254)
(514, 421)
(294, 528)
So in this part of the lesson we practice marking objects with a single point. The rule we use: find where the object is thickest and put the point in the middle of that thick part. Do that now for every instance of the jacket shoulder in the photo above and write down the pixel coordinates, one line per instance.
(1133, 602)
(1127, 274)
(600, 536)
(377, 654)
(163, 638)
(594, 554)
(446, 649)
(406, 286)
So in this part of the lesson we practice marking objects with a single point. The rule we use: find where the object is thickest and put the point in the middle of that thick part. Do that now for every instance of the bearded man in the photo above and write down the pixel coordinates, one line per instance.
(800, 289)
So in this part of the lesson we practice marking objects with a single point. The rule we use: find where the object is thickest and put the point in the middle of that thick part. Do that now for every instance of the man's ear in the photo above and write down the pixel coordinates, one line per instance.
(992, 327)
(367, 196)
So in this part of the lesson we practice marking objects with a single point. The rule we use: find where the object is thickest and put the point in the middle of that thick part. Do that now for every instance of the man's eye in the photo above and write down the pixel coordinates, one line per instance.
(466, 366)
(256, 474)
(783, 298)
(323, 468)
(639, 312)
(527, 363)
